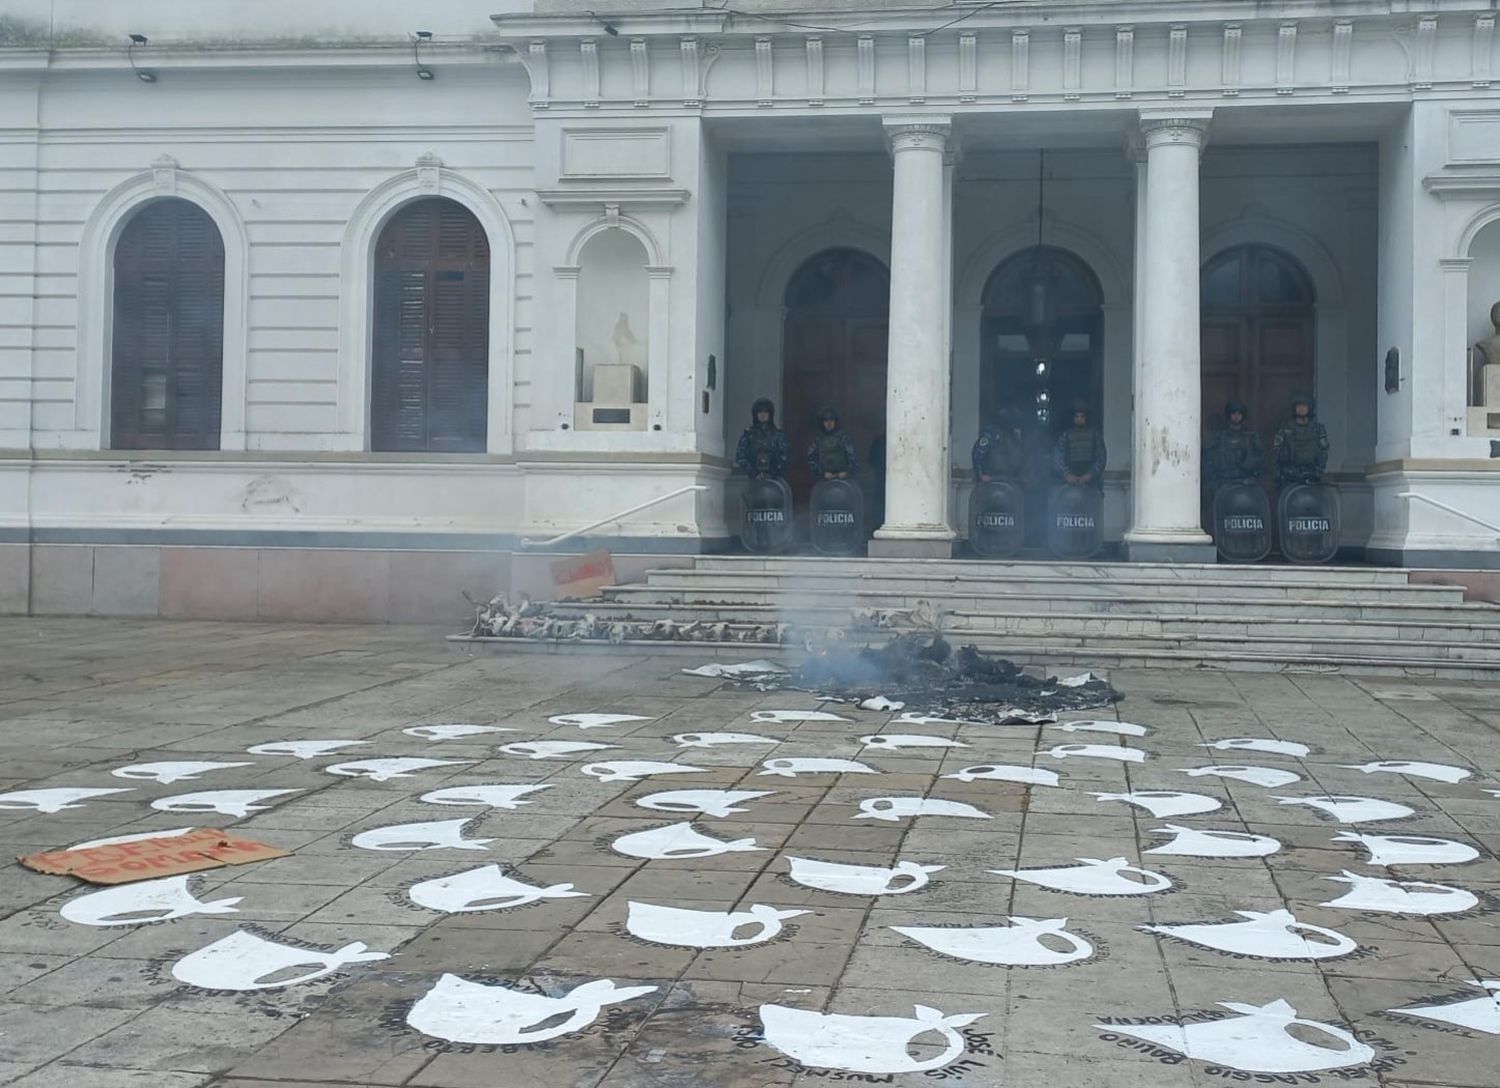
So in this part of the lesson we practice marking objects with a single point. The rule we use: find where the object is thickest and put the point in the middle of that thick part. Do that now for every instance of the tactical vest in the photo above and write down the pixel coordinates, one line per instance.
(1305, 443)
(1234, 453)
(763, 447)
(1000, 455)
(1079, 449)
(831, 454)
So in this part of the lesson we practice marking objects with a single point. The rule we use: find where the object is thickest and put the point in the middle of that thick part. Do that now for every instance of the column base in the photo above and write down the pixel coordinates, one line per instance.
(1147, 551)
(910, 548)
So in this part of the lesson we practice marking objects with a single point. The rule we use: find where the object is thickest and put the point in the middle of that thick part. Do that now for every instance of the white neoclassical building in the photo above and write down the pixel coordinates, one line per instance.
(314, 309)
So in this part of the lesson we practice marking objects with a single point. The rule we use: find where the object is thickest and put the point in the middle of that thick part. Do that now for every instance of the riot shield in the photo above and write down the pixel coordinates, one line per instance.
(1074, 517)
(766, 515)
(997, 519)
(1242, 523)
(1307, 519)
(837, 517)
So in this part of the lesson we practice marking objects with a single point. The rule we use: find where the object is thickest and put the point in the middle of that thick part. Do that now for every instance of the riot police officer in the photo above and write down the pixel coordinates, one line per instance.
(763, 449)
(1078, 455)
(1000, 452)
(831, 454)
(1235, 454)
(1301, 446)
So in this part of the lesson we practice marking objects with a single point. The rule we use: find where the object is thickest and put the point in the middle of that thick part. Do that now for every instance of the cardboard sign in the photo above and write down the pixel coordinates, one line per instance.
(146, 859)
(583, 576)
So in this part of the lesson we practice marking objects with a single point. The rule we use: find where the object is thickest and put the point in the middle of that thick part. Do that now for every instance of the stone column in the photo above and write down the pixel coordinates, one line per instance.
(917, 392)
(1166, 469)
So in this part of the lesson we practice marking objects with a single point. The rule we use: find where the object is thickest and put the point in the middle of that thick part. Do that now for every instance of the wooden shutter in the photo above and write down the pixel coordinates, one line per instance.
(431, 366)
(167, 358)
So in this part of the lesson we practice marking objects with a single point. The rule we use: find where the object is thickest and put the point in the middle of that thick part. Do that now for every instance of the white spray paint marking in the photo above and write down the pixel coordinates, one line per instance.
(224, 802)
(1384, 896)
(1021, 943)
(552, 749)
(1098, 751)
(1256, 1041)
(1410, 849)
(1352, 810)
(469, 1012)
(507, 797)
(717, 671)
(136, 904)
(711, 740)
(1193, 843)
(596, 721)
(1120, 729)
(1259, 744)
(719, 803)
(139, 836)
(911, 717)
(1165, 803)
(167, 773)
(243, 961)
(684, 928)
(631, 770)
(678, 841)
(452, 731)
(795, 716)
(1093, 876)
(1480, 1014)
(791, 767)
(1006, 772)
(832, 876)
(484, 888)
(55, 799)
(1437, 772)
(1271, 935)
(896, 741)
(435, 835)
(892, 809)
(862, 1044)
(1492, 793)
(383, 770)
(1269, 777)
(303, 749)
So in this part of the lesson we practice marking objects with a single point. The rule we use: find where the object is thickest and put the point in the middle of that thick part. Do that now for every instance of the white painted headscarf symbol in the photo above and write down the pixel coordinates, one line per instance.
(55, 799)
(713, 740)
(383, 770)
(507, 797)
(792, 766)
(832, 876)
(896, 741)
(1004, 772)
(1164, 803)
(552, 749)
(243, 961)
(795, 716)
(452, 731)
(1256, 1041)
(484, 888)
(139, 836)
(1194, 843)
(911, 717)
(1093, 876)
(137, 904)
(224, 802)
(631, 770)
(684, 928)
(1352, 810)
(1438, 772)
(1120, 729)
(1410, 849)
(862, 1044)
(167, 773)
(1271, 935)
(303, 749)
(678, 841)
(1024, 942)
(1384, 896)
(892, 809)
(1270, 777)
(471, 1012)
(1259, 744)
(719, 803)
(595, 721)
(437, 835)
(1098, 751)
(1480, 1014)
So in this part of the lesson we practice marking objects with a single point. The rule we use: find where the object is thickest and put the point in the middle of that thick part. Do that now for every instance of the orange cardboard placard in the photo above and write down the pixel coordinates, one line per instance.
(146, 859)
(583, 576)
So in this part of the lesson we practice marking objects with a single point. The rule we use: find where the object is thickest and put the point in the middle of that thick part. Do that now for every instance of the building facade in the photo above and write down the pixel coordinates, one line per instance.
(304, 313)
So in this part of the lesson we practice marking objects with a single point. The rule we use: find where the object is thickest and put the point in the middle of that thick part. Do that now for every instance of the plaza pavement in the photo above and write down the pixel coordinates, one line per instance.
(87, 1006)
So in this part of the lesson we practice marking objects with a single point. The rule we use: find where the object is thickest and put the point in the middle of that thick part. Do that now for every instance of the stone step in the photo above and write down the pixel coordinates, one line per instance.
(1286, 648)
(1210, 626)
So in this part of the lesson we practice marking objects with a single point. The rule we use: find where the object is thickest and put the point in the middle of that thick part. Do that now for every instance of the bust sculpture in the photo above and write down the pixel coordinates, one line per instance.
(1487, 364)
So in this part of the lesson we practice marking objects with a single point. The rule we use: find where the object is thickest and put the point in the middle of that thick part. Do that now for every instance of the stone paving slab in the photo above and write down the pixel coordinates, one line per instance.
(99, 1006)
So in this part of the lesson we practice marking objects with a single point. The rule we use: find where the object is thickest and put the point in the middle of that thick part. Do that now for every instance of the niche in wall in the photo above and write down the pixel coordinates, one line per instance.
(611, 333)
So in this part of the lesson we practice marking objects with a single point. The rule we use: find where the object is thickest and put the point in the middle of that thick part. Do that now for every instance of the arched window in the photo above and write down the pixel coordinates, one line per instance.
(167, 352)
(431, 337)
(1258, 334)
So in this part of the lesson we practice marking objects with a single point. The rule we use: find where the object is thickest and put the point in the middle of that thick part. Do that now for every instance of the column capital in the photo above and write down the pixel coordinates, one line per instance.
(1160, 127)
(926, 132)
